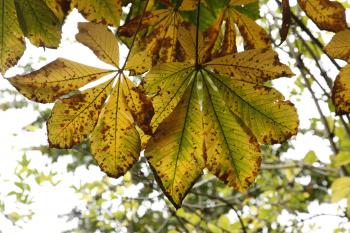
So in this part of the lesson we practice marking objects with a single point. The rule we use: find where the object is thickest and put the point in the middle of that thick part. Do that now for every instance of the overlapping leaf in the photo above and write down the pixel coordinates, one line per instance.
(254, 35)
(339, 47)
(327, 15)
(100, 11)
(38, 20)
(115, 143)
(159, 44)
(219, 110)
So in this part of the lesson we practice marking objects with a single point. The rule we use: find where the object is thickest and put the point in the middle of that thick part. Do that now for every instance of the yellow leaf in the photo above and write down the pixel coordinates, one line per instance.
(12, 42)
(232, 152)
(187, 39)
(339, 46)
(55, 79)
(327, 15)
(159, 44)
(241, 2)
(101, 41)
(166, 83)
(340, 188)
(254, 36)
(176, 150)
(39, 23)
(72, 119)
(264, 111)
(100, 11)
(115, 142)
(140, 106)
(252, 66)
(188, 5)
(341, 91)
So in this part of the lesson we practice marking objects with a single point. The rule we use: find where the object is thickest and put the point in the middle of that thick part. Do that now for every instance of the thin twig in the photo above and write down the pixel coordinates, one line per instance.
(244, 229)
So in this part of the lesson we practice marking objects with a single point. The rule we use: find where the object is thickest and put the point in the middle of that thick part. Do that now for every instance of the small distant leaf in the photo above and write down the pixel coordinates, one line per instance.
(72, 119)
(55, 79)
(340, 189)
(176, 150)
(341, 159)
(339, 46)
(327, 15)
(100, 11)
(39, 23)
(12, 41)
(286, 20)
(341, 91)
(310, 157)
(115, 142)
(101, 41)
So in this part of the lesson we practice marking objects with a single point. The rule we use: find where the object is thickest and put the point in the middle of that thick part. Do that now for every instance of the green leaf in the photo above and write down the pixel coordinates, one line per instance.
(341, 159)
(340, 189)
(310, 157)
(11, 37)
(175, 151)
(39, 24)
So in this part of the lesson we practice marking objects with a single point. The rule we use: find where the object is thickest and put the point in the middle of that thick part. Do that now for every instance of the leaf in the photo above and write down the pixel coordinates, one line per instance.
(12, 42)
(341, 93)
(339, 46)
(176, 150)
(166, 83)
(115, 142)
(101, 41)
(232, 152)
(252, 66)
(55, 80)
(159, 44)
(39, 23)
(100, 11)
(73, 119)
(231, 132)
(327, 15)
(286, 20)
(310, 157)
(341, 159)
(270, 118)
(340, 189)
(254, 36)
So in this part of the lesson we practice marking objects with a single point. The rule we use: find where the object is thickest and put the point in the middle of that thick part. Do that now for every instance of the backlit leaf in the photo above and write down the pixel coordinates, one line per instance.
(55, 79)
(264, 111)
(166, 83)
(73, 119)
(339, 46)
(254, 35)
(159, 44)
(12, 42)
(253, 66)
(100, 11)
(327, 15)
(101, 41)
(115, 142)
(235, 112)
(232, 152)
(340, 189)
(176, 150)
(341, 91)
(39, 23)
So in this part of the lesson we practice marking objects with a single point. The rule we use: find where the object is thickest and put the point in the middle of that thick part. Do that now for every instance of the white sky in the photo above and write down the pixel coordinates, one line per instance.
(49, 202)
